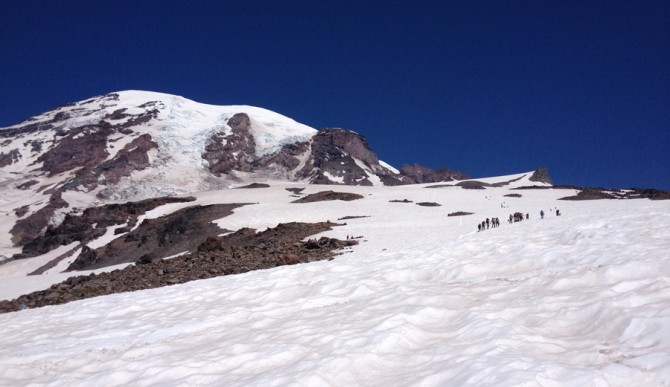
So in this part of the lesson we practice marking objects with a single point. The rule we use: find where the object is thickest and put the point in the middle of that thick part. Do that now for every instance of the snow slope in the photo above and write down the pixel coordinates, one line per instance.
(424, 300)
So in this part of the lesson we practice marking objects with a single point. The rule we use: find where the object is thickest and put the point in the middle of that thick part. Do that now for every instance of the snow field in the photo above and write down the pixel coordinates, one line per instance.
(423, 300)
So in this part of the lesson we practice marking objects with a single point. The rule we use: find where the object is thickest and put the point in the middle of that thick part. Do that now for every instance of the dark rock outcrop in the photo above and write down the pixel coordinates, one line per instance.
(604, 193)
(236, 253)
(83, 147)
(328, 195)
(473, 184)
(9, 158)
(30, 227)
(133, 157)
(420, 174)
(428, 204)
(590, 194)
(541, 175)
(333, 160)
(235, 151)
(169, 235)
(255, 185)
(91, 224)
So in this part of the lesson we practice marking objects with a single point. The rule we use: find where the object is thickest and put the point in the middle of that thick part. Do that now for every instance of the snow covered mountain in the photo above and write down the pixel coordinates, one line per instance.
(183, 202)
(135, 145)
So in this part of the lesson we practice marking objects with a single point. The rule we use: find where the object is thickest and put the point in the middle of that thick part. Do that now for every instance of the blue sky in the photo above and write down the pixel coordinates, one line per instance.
(485, 87)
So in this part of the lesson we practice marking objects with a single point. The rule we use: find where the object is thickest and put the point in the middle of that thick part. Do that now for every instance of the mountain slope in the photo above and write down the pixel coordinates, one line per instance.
(135, 145)
(424, 299)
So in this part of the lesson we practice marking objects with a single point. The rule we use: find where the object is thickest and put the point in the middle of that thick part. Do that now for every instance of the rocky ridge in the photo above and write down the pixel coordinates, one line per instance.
(236, 253)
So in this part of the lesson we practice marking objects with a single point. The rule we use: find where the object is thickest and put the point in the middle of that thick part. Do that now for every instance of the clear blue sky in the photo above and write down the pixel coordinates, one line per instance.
(485, 87)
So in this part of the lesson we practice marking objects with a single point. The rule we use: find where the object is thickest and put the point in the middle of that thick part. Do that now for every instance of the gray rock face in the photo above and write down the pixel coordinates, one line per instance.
(235, 151)
(341, 156)
(78, 153)
(420, 174)
(9, 158)
(541, 175)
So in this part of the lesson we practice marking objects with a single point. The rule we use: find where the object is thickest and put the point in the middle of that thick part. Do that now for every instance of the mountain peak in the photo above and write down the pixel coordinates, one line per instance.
(134, 145)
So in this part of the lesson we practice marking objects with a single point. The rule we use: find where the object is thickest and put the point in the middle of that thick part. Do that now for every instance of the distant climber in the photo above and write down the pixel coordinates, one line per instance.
(542, 214)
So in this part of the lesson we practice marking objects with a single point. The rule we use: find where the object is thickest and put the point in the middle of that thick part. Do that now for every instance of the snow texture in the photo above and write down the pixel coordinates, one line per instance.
(581, 299)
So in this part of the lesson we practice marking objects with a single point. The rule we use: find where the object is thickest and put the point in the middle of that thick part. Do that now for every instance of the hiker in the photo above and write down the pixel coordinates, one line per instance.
(527, 216)
(558, 213)
(510, 218)
(487, 223)
(479, 227)
(542, 214)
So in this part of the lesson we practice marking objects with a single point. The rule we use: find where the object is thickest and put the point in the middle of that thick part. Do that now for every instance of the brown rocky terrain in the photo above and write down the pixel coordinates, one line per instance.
(603, 193)
(239, 252)
(589, 193)
(235, 151)
(334, 153)
(91, 224)
(181, 231)
(420, 174)
(328, 195)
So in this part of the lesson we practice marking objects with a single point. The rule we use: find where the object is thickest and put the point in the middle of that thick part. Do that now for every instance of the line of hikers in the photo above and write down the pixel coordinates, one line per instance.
(516, 217)
(493, 222)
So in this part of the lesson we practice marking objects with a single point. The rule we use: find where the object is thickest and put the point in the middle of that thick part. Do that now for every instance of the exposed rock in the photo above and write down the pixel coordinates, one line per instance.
(28, 228)
(333, 160)
(296, 191)
(21, 211)
(52, 263)
(81, 227)
(353, 217)
(27, 184)
(328, 195)
(286, 160)
(400, 201)
(596, 193)
(428, 204)
(541, 175)
(237, 253)
(590, 194)
(648, 193)
(235, 151)
(460, 213)
(69, 152)
(513, 195)
(9, 158)
(256, 185)
(473, 184)
(182, 230)
(536, 187)
(148, 258)
(133, 157)
(420, 174)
